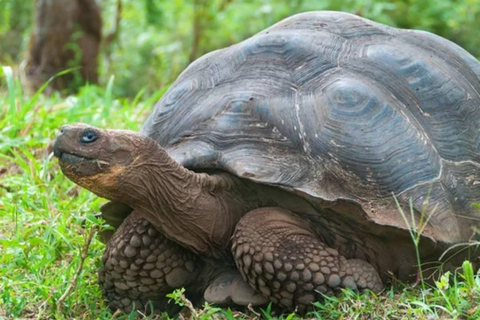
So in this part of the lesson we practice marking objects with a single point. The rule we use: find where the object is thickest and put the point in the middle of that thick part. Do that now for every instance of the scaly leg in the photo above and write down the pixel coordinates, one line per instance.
(140, 266)
(280, 257)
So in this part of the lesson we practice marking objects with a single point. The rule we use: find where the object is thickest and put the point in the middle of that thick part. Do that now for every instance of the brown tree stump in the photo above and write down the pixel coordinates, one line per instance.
(66, 34)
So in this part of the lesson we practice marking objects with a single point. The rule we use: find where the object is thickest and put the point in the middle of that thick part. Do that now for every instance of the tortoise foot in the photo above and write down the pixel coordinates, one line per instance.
(278, 256)
(230, 289)
(140, 266)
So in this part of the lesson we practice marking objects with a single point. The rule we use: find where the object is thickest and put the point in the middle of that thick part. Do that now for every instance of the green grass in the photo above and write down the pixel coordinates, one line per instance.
(48, 264)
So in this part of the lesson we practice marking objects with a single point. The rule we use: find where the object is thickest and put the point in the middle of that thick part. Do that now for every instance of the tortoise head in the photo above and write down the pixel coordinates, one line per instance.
(101, 160)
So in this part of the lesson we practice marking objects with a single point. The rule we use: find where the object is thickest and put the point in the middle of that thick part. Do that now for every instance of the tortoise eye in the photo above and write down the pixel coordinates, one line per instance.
(89, 136)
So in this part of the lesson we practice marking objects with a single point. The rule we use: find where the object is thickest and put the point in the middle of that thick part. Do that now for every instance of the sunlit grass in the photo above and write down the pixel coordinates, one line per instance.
(43, 231)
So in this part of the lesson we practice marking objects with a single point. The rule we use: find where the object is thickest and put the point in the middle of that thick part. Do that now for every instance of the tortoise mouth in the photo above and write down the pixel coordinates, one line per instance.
(73, 159)
(75, 166)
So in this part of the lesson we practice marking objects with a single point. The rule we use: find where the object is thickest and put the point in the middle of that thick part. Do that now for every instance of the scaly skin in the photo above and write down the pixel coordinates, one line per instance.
(277, 254)
(140, 266)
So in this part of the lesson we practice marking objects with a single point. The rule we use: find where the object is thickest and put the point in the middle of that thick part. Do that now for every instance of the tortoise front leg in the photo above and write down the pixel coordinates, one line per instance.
(280, 257)
(140, 266)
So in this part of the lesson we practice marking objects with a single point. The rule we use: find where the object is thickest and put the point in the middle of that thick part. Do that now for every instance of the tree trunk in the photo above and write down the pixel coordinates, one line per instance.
(66, 34)
(197, 27)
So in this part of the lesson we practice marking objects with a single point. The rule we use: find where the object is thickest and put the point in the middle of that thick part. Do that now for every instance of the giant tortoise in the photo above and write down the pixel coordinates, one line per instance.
(270, 171)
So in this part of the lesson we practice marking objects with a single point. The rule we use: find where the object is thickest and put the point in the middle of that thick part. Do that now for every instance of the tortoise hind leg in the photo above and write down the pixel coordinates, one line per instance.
(278, 255)
(140, 266)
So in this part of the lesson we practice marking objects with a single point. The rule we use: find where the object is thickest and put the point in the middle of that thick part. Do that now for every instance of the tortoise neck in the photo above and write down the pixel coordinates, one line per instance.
(164, 182)
(192, 209)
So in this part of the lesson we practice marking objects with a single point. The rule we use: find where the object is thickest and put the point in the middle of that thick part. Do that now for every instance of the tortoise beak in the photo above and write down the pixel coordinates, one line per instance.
(58, 149)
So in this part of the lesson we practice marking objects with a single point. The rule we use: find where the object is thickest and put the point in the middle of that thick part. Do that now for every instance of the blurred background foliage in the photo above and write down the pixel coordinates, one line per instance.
(157, 39)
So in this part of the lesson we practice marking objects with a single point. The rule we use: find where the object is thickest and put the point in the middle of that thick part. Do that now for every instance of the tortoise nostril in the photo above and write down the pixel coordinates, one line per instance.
(63, 129)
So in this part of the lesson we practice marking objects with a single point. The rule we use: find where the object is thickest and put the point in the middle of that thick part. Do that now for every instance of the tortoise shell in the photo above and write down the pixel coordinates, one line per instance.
(344, 112)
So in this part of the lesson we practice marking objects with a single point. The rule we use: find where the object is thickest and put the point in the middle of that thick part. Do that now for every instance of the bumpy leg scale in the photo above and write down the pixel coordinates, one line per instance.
(140, 266)
(279, 256)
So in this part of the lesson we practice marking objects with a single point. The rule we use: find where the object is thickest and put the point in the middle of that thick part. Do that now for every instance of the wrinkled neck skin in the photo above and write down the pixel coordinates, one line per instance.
(196, 210)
